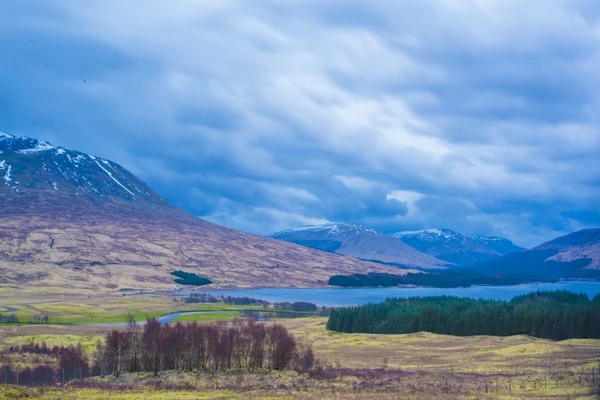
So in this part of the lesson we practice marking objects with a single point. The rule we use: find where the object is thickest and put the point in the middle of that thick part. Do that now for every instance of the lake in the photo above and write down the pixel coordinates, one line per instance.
(356, 296)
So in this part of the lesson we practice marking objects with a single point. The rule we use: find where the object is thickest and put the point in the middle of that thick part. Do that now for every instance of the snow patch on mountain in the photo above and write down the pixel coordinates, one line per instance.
(7, 176)
(113, 178)
(487, 239)
(427, 234)
(334, 229)
(40, 146)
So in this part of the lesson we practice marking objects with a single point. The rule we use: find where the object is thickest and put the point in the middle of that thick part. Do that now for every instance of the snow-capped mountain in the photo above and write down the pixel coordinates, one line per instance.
(358, 241)
(456, 248)
(34, 168)
(70, 218)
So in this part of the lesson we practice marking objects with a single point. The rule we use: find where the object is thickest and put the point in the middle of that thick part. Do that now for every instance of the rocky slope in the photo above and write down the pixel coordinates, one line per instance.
(456, 248)
(69, 218)
(359, 241)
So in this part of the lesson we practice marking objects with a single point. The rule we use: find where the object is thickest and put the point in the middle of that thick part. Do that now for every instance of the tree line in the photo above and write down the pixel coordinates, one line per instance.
(552, 315)
(34, 319)
(451, 278)
(212, 347)
(298, 306)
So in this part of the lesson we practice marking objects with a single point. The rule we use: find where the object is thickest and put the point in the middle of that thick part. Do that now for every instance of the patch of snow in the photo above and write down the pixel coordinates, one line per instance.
(75, 160)
(60, 150)
(2, 164)
(91, 156)
(40, 146)
(7, 176)
(333, 228)
(54, 184)
(113, 178)
(486, 239)
(4, 135)
(427, 234)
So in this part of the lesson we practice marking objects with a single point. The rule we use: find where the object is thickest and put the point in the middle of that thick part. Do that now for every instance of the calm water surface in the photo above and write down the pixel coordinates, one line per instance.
(357, 296)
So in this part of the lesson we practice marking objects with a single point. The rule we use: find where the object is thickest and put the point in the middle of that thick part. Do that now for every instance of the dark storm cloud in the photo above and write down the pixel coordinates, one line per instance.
(475, 116)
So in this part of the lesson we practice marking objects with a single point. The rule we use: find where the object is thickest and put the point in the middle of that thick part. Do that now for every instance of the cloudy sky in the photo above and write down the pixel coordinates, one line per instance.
(479, 116)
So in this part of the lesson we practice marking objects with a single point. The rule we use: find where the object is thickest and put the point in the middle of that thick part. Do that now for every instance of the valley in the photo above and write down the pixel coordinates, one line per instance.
(86, 249)
(353, 366)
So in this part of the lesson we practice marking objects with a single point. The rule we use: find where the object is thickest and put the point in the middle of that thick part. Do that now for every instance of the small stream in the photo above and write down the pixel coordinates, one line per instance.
(256, 315)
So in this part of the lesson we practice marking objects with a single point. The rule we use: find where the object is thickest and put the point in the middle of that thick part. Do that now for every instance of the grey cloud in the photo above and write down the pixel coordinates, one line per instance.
(247, 113)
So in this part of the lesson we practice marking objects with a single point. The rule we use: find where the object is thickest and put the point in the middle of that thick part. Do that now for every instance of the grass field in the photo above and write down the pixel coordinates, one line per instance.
(208, 317)
(355, 366)
(116, 308)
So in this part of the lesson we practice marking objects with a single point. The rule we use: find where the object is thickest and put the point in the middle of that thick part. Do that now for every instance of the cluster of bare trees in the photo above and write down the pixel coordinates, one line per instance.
(188, 347)
(63, 363)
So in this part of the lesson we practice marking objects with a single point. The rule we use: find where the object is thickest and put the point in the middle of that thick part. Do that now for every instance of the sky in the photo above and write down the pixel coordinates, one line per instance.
(477, 116)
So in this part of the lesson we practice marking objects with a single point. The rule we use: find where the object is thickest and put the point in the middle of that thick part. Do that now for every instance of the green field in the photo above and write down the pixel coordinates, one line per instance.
(430, 365)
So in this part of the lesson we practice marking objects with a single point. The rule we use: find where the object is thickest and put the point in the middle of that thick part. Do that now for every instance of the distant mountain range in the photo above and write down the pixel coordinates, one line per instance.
(576, 255)
(72, 220)
(573, 256)
(456, 248)
(429, 248)
(359, 241)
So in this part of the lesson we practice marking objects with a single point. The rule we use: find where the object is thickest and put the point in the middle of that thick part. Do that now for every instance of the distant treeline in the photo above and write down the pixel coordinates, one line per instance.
(552, 315)
(443, 279)
(299, 306)
(34, 319)
(194, 346)
(9, 319)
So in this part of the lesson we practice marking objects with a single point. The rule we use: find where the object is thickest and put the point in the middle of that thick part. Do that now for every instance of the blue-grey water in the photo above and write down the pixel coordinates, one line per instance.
(356, 296)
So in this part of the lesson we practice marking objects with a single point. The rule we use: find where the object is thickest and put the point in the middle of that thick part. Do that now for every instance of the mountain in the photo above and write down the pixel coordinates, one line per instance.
(358, 241)
(576, 255)
(456, 248)
(71, 220)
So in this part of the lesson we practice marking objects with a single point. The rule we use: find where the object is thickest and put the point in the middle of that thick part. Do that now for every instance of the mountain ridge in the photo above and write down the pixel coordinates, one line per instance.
(455, 247)
(358, 241)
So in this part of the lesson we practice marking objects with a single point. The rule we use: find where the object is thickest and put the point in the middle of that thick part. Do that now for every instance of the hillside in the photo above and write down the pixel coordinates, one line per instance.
(456, 248)
(359, 241)
(576, 255)
(72, 220)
